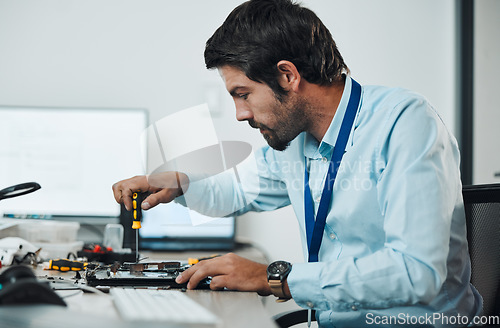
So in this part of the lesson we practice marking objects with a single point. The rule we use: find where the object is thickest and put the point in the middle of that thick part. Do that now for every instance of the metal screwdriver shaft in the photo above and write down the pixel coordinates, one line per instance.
(137, 245)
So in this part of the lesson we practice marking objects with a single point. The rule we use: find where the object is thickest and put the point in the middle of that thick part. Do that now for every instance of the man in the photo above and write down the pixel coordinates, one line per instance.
(384, 232)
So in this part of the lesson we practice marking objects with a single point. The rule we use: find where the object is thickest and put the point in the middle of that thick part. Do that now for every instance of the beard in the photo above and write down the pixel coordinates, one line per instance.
(291, 120)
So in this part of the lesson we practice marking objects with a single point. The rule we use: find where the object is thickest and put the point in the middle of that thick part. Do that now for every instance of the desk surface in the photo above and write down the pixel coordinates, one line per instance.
(235, 309)
(89, 310)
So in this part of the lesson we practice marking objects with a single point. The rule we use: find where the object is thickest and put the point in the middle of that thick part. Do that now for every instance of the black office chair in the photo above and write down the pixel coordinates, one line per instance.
(482, 211)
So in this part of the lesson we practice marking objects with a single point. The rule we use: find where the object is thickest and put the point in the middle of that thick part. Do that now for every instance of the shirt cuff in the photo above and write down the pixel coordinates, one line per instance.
(305, 285)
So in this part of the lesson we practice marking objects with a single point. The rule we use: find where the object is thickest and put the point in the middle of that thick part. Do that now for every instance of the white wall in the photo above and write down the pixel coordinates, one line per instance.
(486, 108)
(149, 53)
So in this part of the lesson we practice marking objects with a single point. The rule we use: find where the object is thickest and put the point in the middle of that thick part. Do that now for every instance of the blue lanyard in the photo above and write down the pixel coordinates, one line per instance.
(315, 228)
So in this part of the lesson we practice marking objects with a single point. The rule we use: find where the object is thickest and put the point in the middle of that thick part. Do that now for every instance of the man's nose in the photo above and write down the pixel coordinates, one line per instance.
(243, 113)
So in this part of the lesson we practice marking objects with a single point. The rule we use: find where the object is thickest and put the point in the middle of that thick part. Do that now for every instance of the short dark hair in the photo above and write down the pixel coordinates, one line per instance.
(259, 33)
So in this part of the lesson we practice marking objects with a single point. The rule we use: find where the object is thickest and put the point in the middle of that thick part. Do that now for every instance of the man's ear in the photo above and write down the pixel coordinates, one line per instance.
(289, 77)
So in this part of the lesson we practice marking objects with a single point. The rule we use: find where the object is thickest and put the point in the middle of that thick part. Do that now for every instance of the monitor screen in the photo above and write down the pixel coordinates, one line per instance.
(75, 154)
(175, 227)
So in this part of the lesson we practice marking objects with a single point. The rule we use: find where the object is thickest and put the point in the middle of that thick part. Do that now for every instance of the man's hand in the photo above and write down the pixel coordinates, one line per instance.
(228, 271)
(163, 187)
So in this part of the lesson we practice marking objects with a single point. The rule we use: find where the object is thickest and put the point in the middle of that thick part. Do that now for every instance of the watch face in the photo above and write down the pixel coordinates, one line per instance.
(277, 269)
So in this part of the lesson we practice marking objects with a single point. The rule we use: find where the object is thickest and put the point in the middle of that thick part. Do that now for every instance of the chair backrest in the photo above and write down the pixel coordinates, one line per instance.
(482, 210)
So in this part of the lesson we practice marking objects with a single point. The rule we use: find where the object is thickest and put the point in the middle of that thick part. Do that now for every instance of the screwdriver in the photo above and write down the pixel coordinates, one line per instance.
(137, 198)
(66, 265)
(193, 261)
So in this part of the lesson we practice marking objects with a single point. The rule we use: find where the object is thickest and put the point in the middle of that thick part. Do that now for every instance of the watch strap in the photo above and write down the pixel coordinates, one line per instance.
(277, 290)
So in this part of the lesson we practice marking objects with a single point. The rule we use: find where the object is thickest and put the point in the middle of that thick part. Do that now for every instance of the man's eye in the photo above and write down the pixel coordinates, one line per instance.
(243, 96)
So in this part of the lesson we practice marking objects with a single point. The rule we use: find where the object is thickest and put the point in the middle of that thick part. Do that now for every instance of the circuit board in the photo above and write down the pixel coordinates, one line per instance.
(144, 274)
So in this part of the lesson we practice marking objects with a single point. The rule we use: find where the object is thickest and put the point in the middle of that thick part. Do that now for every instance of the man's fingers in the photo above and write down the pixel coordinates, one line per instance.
(122, 196)
(164, 188)
(123, 190)
(164, 180)
(117, 193)
(200, 271)
(127, 199)
(219, 282)
(195, 279)
(162, 196)
(228, 271)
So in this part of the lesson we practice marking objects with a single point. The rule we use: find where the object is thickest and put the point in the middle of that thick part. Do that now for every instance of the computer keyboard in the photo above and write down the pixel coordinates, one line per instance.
(160, 305)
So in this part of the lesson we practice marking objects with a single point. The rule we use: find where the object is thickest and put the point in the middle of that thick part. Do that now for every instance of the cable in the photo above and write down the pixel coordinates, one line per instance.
(70, 285)
(80, 288)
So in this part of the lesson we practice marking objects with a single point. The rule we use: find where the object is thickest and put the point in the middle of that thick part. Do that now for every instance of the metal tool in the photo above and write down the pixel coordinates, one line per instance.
(137, 198)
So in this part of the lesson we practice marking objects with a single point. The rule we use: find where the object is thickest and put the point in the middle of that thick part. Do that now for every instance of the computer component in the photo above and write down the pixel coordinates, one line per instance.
(144, 305)
(100, 253)
(144, 274)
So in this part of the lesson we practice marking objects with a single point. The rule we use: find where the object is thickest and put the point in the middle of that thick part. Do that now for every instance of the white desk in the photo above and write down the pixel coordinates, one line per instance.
(89, 310)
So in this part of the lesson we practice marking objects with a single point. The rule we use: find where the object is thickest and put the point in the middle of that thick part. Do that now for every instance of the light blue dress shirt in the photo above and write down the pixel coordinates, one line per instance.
(394, 249)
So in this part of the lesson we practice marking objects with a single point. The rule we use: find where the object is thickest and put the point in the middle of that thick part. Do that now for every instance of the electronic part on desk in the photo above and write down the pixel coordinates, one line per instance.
(160, 305)
(143, 274)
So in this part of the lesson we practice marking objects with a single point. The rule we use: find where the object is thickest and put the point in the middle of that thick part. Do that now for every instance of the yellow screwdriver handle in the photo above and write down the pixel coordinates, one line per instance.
(137, 199)
(67, 265)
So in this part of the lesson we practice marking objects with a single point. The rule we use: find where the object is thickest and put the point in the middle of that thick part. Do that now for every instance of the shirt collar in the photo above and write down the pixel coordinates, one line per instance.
(314, 149)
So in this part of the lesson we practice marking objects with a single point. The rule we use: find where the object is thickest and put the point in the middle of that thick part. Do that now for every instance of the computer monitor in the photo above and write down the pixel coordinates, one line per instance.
(173, 227)
(75, 154)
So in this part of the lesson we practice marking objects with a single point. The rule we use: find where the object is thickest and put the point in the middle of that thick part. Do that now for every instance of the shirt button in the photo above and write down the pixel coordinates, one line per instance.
(318, 199)
(332, 236)
(354, 308)
(324, 159)
(310, 305)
